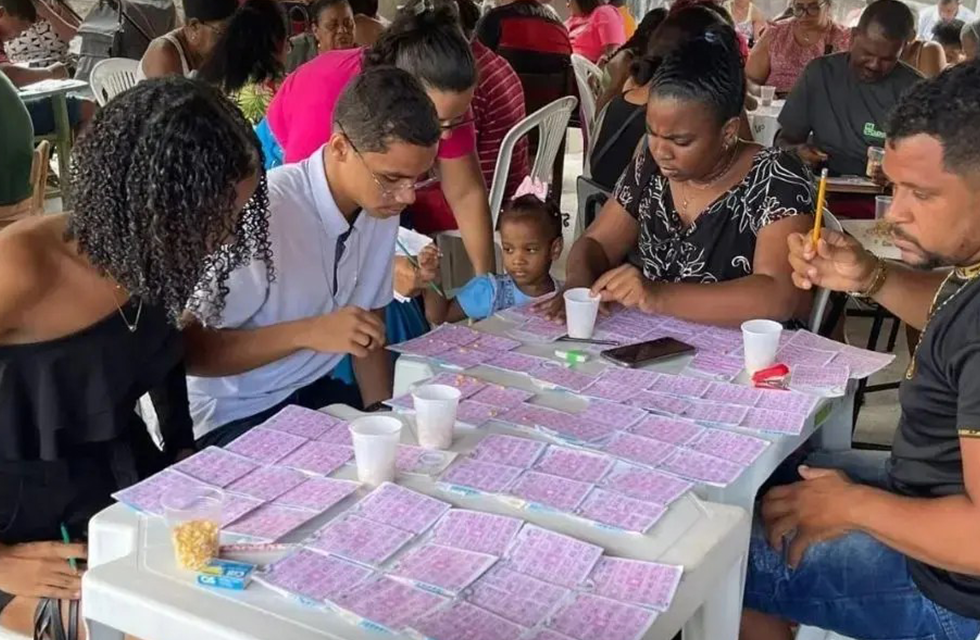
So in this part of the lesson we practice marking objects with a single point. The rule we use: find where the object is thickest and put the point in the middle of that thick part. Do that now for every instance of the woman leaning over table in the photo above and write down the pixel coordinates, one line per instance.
(167, 184)
(707, 213)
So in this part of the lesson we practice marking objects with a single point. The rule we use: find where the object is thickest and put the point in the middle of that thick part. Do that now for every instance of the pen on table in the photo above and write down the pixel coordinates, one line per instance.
(415, 263)
(67, 540)
(608, 343)
(818, 214)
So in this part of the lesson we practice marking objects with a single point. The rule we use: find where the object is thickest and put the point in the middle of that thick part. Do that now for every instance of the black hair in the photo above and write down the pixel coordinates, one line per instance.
(711, 5)
(469, 15)
(153, 194)
(945, 2)
(386, 104)
(948, 33)
(544, 213)
(947, 108)
(588, 6)
(249, 50)
(892, 17)
(706, 69)
(678, 28)
(319, 6)
(637, 43)
(20, 9)
(426, 40)
(209, 10)
(364, 7)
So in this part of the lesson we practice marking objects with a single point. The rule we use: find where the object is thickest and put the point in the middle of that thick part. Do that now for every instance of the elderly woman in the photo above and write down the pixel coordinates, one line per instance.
(785, 48)
(596, 29)
(707, 213)
(333, 28)
(184, 50)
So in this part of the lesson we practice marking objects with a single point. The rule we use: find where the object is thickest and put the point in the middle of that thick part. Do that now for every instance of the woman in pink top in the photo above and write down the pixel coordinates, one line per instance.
(425, 39)
(595, 28)
(785, 48)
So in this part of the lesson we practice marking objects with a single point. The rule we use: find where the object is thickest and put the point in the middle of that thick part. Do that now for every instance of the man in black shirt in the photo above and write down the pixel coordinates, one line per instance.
(900, 559)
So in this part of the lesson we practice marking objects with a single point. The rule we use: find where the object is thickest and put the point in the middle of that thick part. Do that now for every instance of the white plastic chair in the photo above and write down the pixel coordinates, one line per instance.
(588, 77)
(111, 77)
(551, 121)
(822, 296)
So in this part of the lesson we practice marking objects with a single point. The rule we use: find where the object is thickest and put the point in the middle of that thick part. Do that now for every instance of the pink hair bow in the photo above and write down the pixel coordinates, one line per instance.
(532, 187)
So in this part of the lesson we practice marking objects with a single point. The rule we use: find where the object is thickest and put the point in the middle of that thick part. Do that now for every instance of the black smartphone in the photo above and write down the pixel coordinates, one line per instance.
(642, 353)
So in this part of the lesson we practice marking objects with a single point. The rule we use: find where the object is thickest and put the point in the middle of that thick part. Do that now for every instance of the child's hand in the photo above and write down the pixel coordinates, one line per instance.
(430, 259)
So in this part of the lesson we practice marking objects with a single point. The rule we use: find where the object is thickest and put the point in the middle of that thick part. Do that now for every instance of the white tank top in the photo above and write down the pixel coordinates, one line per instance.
(185, 68)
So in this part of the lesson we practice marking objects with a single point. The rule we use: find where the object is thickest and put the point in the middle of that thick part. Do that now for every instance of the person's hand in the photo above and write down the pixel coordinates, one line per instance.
(554, 307)
(430, 259)
(838, 262)
(41, 570)
(811, 155)
(57, 71)
(810, 511)
(409, 281)
(348, 330)
(628, 286)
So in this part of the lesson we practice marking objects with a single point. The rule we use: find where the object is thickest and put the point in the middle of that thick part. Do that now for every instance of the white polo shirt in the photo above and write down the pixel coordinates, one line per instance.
(304, 227)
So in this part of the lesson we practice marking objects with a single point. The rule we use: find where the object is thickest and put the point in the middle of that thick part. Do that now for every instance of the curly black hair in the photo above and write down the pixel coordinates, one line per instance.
(153, 195)
(544, 213)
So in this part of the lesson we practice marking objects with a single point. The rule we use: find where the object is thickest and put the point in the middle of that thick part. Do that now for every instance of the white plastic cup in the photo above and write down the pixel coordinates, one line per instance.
(882, 204)
(761, 342)
(581, 309)
(375, 448)
(768, 95)
(435, 415)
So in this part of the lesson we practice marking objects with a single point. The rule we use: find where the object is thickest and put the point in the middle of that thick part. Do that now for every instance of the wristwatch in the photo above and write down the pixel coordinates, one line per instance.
(376, 407)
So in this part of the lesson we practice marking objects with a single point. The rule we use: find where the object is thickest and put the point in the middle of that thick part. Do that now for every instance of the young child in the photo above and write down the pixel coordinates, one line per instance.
(530, 233)
(948, 34)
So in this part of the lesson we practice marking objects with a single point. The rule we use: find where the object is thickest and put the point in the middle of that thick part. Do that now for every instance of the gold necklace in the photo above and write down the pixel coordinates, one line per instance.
(968, 274)
(132, 326)
(685, 202)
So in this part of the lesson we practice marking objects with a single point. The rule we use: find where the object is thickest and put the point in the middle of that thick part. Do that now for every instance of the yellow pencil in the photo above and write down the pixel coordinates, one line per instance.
(818, 216)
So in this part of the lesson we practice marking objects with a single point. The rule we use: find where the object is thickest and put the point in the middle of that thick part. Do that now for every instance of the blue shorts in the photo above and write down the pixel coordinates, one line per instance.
(853, 585)
(42, 114)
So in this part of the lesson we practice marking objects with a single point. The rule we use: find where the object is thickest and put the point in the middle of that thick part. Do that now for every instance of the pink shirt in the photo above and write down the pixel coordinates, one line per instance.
(592, 33)
(788, 58)
(301, 113)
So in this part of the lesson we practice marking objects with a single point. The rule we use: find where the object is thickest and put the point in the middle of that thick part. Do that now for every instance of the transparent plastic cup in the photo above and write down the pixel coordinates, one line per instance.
(761, 342)
(882, 204)
(375, 448)
(768, 94)
(194, 519)
(581, 308)
(435, 414)
(876, 155)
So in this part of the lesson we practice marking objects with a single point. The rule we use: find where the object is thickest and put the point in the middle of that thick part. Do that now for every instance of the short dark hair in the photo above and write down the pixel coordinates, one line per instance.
(707, 69)
(637, 43)
(588, 6)
(319, 6)
(947, 108)
(678, 28)
(21, 9)
(364, 7)
(426, 40)
(893, 17)
(383, 105)
(209, 10)
(544, 213)
(249, 48)
(949, 33)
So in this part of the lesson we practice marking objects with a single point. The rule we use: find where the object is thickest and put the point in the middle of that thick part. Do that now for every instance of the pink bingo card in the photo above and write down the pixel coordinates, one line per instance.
(476, 531)
(360, 540)
(560, 376)
(716, 365)
(792, 355)
(464, 620)
(612, 414)
(502, 397)
(542, 329)
(609, 391)
(685, 386)
(269, 522)
(509, 450)
(476, 414)
(480, 476)
(638, 449)
(456, 334)
(317, 494)
(638, 379)
(515, 596)
(716, 413)
(862, 363)
(313, 575)
(236, 505)
(265, 445)
(774, 421)
(574, 464)
(490, 342)
(518, 362)
(267, 482)
(339, 434)
(464, 357)
(467, 385)
(216, 466)
(145, 495)
(545, 634)
(423, 346)
(811, 340)
(644, 484)
(578, 430)
(401, 507)
(552, 557)
(389, 603)
(446, 568)
(622, 512)
(301, 422)
(734, 447)
(318, 457)
(829, 381)
(404, 402)
(789, 401)
(650, 584)
(660, 403)
(701, 467)
(591, 617)
(675, 431)
(727, 393)
(523, 415)
(426, 462)
(552, 491)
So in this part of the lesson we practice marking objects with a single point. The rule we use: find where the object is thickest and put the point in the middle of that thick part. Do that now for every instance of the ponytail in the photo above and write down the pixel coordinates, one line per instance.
(250, 49)
(678, 28)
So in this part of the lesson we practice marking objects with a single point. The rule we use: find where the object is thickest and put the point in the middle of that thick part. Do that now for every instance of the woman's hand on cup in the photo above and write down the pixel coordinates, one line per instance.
(627, 286)
(837, 262)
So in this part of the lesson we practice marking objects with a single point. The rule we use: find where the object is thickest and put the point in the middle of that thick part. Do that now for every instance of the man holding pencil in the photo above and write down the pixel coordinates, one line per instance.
(878, 544)
(333, 227)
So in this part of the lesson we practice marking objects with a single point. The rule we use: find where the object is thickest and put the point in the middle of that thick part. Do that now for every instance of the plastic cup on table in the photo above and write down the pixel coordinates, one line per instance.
(768, 94)
(761, 342)
(375, 448)
(581, 309)
(876, 155)
(882, 204)
(194, 519)
(435, 414)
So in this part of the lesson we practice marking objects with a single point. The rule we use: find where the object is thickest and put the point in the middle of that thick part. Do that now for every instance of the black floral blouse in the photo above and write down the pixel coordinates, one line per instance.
(720, 244)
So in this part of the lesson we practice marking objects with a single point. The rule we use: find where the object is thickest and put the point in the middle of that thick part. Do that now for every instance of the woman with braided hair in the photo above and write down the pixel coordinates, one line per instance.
(168, 186)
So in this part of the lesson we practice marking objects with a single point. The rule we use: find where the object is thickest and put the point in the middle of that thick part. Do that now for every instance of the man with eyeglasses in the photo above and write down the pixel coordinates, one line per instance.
(333, 223)
(838, 107)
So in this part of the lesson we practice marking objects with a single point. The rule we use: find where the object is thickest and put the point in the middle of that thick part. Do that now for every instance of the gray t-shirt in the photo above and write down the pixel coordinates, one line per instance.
(844, 114)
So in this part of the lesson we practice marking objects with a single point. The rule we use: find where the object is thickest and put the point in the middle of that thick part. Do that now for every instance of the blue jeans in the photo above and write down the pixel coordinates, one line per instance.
(853, 585)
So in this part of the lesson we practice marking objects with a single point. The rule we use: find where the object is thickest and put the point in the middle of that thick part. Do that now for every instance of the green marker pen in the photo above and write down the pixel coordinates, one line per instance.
(572, 356)
(67, 540)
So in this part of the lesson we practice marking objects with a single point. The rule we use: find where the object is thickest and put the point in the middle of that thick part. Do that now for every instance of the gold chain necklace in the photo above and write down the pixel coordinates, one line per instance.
(704, 186)
(968, 275)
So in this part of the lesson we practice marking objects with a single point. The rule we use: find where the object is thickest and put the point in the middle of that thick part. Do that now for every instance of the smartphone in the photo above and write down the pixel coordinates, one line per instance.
(642, 353)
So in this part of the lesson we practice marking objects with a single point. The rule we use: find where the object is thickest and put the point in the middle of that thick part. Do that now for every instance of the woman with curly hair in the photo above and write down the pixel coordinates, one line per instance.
(168, 187)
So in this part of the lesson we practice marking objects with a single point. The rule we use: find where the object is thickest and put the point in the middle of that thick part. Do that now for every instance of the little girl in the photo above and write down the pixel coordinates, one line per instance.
(530, 233)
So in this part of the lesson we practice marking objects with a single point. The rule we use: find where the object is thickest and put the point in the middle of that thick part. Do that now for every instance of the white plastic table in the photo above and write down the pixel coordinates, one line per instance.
(133, 586)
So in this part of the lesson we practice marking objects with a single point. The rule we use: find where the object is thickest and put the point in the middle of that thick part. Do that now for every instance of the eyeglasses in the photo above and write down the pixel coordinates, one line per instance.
(449, 125)
(813, 9)
(391, 188)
